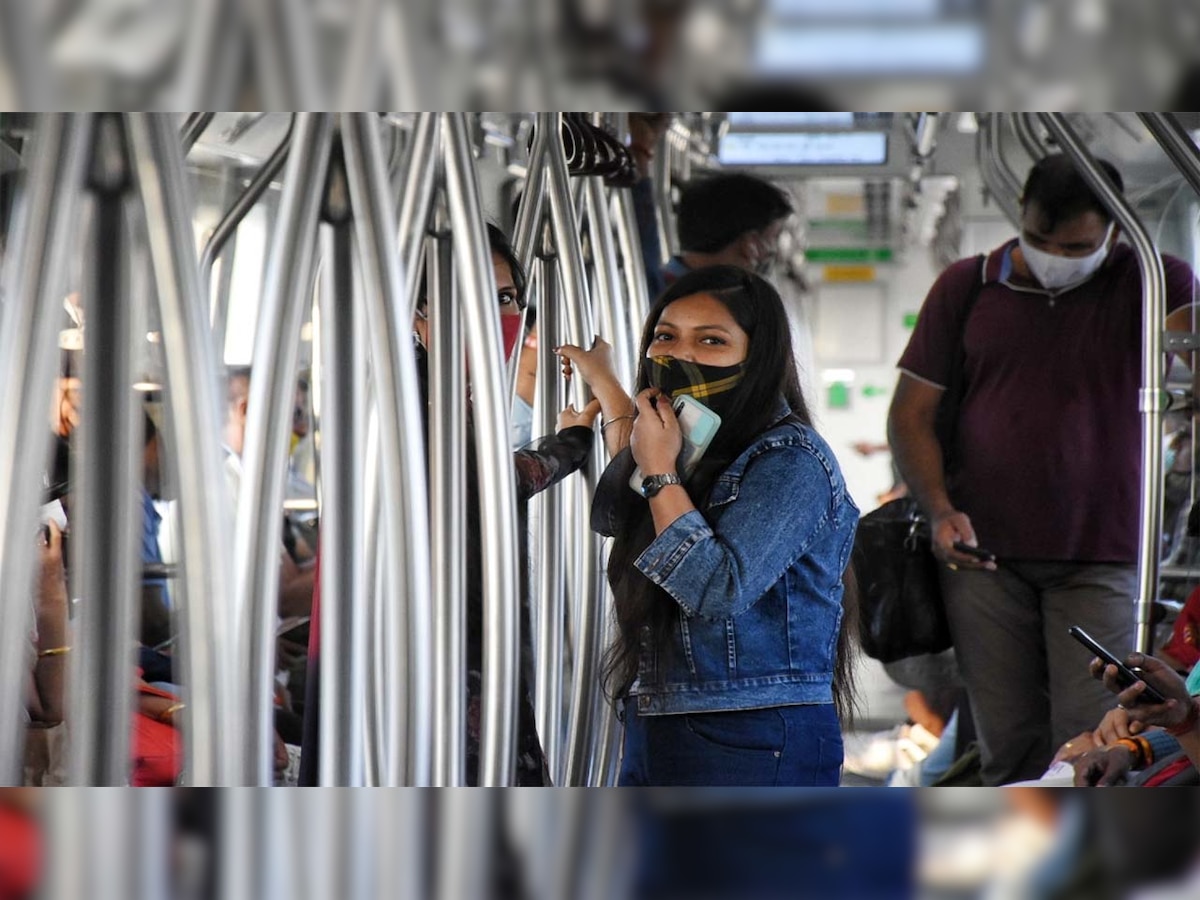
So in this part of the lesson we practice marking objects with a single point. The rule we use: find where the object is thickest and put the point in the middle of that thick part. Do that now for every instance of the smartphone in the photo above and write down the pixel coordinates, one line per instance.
(1126, 676)
(978, 552)
(699, 425)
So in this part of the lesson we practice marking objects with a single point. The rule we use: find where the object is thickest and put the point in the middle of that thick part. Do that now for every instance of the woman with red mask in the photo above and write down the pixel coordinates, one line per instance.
(538, 466)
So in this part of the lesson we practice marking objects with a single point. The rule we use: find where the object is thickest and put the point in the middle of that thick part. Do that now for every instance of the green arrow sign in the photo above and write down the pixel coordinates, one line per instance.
(871, 390)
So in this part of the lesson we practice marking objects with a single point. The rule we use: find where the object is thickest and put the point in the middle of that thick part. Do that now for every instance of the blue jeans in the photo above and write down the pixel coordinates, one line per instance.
(797, 746)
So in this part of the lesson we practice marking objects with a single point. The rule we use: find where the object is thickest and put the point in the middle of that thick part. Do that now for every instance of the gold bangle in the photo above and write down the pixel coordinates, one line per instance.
(604, 425)
(169, 712)
(53, 651)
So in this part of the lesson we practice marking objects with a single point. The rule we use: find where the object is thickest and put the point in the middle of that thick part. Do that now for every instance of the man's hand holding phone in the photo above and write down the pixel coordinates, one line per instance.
(954, 543)
(1157, 678)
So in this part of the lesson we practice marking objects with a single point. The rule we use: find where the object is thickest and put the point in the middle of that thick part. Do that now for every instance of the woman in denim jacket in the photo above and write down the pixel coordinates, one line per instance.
(732, 657)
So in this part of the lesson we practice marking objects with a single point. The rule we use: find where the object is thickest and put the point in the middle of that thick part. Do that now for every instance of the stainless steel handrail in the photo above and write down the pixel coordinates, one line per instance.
(999, 187)
(244, 203)
(258, 532)
(35, 282)
(1176, 143)
(107, 512)
(402, 457)
(193, 127)
(1152, 397)
(497, 488)
(448, 512)
(343, 631)
(548, 583)
(581, 332)
(1023, 127)
(208, 649)
(416, 201)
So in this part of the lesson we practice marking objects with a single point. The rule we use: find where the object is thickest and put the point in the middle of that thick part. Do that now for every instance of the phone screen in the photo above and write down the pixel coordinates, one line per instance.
(1125, 675)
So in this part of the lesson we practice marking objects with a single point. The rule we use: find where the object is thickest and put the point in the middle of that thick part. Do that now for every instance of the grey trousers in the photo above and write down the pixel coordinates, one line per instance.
(1028, 679)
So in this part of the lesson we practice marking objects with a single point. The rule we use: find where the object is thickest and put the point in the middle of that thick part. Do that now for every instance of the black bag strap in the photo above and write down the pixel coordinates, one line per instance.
(946, 424)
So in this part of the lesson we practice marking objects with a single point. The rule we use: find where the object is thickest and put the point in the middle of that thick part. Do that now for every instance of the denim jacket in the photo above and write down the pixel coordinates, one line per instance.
(757, 578)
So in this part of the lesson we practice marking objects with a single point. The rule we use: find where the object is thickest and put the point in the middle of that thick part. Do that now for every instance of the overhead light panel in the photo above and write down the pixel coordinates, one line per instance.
(831, 148)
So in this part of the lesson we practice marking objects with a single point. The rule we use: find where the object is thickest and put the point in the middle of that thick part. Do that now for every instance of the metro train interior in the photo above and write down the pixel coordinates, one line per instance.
(237, 345)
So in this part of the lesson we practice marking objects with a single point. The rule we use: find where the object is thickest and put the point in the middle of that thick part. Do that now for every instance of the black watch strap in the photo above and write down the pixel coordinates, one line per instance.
(652, 484)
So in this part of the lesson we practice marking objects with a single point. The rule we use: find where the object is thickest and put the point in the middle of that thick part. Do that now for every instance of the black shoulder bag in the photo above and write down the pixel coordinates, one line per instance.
(901, 613)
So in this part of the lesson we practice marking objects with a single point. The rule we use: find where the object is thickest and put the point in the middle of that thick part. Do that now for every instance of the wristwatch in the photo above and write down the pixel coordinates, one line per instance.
(652, 484)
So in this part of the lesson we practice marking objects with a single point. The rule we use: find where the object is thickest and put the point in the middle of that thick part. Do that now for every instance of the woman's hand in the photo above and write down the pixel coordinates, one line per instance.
(595, 366)
(656, 440)
(570, 417)
(1115, 725)
(1157, 674)
(1075, 748)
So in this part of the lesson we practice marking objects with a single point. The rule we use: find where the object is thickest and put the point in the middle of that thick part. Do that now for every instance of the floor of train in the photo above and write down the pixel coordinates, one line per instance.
(881, 712)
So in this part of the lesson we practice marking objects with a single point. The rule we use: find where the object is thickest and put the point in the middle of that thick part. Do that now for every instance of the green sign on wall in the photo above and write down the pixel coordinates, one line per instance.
(848, 254)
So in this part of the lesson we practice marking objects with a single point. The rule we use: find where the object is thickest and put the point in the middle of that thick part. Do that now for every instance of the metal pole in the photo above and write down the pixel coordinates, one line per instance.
(632, 266)
(416, 201)
(375, 733)
(1153, 398)
(38, 255)
(208, 647)
(550, 597)
(580, 331)
(107, 532)
(497, 488)
(664, 211)
(447, 503)
(193, 127)
(343, 595)
(245, 202)
(1026, 133)
(402, 452)
(609, 300)
(530, 219)
(1176, 143)
(1000, 191)
(258, 533)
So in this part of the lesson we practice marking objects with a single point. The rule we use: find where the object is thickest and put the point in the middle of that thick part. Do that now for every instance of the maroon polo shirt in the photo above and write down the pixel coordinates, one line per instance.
(1048, 445)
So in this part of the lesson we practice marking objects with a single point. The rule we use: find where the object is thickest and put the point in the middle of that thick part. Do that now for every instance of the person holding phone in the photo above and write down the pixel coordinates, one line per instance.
(731, 662)
(1042, 464)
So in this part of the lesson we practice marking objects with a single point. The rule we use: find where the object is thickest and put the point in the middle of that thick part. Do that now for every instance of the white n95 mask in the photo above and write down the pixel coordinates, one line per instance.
(1056, 273)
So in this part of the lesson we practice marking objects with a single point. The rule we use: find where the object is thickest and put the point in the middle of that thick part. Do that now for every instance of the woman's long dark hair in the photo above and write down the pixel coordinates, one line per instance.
(770, 375)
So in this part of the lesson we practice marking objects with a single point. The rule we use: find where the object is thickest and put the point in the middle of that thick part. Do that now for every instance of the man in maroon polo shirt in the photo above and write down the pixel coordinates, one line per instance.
(1046, 461)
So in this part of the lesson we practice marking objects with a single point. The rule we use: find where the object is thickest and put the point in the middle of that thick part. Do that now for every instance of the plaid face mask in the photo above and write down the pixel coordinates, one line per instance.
(711, 385)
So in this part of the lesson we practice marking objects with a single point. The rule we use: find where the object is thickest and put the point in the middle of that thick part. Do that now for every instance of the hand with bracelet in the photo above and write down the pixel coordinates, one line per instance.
(1180, 714)
(595, 367)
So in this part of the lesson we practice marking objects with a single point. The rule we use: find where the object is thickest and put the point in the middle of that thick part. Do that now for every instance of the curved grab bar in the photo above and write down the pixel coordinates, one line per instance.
(1153, 398)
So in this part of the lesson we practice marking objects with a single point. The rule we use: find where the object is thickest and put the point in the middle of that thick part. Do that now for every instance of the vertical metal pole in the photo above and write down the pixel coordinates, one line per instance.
(465, 825)
(633, 267)
(258, 532)
(497, 488)
(375, 733)
(107, 532)
(609, 302)
(664, 208)
(35, 282)
(1153, 398)
(208, 648)
(416, 199)
(550, 581)
(1000, 183)
(343, 596)
(584, 682)
(402, 452)
(447, 503)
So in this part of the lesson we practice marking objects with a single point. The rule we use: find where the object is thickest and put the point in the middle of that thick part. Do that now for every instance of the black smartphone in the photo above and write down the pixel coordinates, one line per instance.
(978, 552)
(1126, 676)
